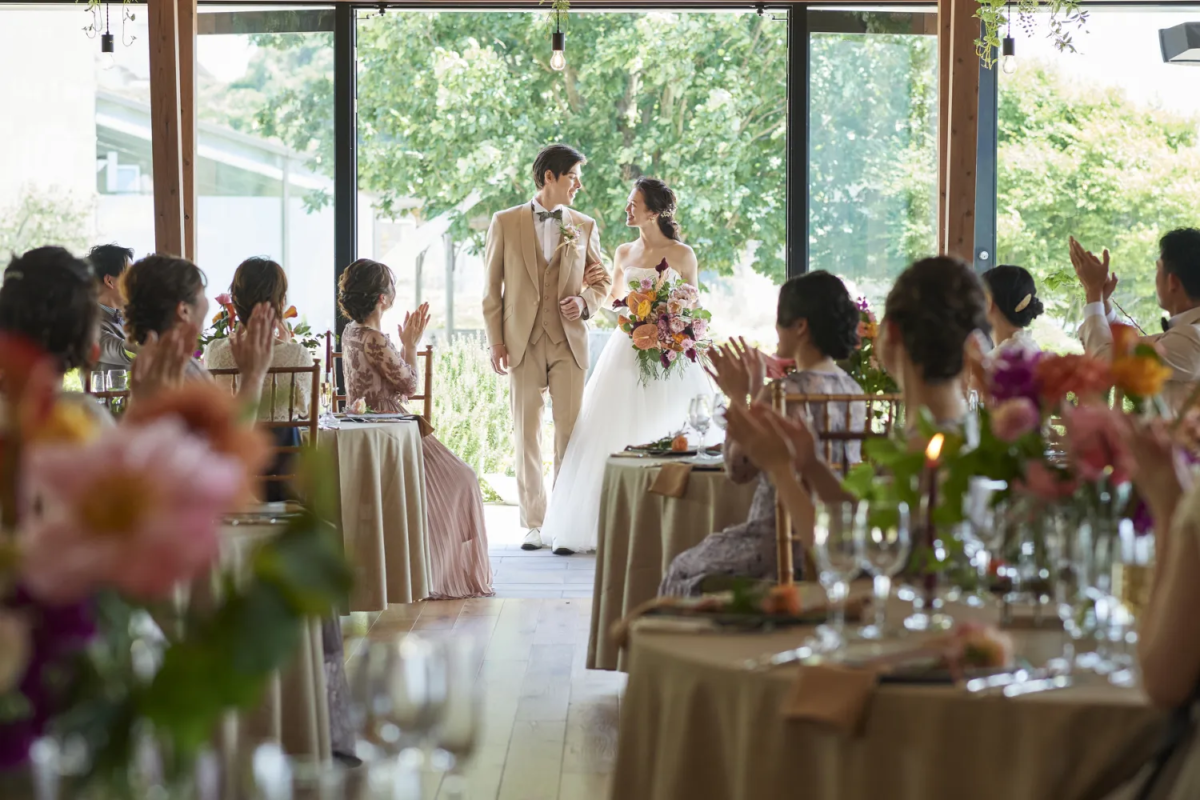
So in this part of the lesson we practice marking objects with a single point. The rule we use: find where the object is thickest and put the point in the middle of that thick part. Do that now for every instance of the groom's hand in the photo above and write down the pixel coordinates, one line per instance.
(500, 359)
(572, 308)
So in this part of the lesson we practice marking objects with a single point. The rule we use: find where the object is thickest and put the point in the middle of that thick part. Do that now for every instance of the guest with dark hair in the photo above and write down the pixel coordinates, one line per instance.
(1177, 284)
(1013, 305)
(49, 297)
(817, 325)
(384, 377)
(109, 262)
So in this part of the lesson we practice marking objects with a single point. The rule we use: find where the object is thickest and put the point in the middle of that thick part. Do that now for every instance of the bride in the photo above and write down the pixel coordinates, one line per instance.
(618, 408)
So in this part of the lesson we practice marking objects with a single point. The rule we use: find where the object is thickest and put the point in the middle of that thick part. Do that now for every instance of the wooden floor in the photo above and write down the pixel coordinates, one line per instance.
(541, 574)
(550, 727)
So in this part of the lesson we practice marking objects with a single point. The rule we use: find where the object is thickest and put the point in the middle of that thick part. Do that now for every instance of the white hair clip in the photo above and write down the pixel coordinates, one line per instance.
(1022, 305)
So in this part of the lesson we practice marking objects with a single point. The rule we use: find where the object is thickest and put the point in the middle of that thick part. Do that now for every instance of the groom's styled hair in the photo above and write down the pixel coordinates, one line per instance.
(558, 159)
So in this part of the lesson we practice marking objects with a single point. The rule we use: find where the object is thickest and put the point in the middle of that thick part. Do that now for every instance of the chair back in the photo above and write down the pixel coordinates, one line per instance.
(285, 379)
(335, 375)
(115, 402)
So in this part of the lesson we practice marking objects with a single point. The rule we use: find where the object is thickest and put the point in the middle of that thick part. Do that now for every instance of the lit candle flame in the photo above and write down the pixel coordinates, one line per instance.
(934, 450)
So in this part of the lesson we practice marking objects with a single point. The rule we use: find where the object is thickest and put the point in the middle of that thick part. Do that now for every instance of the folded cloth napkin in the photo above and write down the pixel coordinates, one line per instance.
(672, 480)
(833, 695)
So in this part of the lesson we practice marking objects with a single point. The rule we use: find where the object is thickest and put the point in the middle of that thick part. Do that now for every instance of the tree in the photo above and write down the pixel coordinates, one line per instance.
(48, 217)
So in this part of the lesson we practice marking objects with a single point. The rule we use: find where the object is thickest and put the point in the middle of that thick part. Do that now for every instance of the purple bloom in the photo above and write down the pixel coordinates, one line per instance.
(691, 353)
(662, 359)
(862, 304)
(647, 284)
(1143, 522)
(1012, 374)
(662, 267)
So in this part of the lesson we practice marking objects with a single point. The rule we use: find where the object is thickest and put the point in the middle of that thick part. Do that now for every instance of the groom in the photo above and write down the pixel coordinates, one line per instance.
(536, 310)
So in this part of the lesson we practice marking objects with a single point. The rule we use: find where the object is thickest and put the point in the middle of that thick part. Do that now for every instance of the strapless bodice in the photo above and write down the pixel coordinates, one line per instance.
(642, 273)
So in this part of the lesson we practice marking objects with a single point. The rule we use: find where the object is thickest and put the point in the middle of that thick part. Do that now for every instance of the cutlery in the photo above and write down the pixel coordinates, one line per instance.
(1035, 686)
(772, 660)
(1003, 679)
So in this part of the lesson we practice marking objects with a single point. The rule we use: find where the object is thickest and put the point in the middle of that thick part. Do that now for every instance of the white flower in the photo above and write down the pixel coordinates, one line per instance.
(14, 650)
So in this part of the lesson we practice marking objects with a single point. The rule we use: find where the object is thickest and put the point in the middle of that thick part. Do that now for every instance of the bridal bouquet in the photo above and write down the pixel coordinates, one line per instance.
(99, 528)
(665, 322)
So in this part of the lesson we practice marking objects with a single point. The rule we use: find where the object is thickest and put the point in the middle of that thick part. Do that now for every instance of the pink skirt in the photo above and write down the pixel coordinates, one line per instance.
(458, 550)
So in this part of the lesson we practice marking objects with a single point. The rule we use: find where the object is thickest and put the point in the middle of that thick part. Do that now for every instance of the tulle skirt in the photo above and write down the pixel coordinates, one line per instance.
(618, 410)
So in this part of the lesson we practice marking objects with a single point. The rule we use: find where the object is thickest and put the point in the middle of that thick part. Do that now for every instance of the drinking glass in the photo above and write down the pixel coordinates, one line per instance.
(99, 380)
(699, 415)
(327, 418)
(1068, 550)
(836, 531)
(278, 776)
(1098, 559)
(463, 717)
(398, 690)
(117, 380)
(720, 407)
(883, 545)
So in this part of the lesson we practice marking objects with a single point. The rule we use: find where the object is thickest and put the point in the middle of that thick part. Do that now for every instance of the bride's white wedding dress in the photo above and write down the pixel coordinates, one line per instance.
(618, 410)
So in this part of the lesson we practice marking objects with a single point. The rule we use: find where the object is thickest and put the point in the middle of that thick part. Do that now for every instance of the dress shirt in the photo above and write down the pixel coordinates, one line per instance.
(549, 232)
(1179, 347)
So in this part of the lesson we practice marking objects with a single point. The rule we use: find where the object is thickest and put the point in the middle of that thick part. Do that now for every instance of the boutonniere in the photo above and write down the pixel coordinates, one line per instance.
(570, 232)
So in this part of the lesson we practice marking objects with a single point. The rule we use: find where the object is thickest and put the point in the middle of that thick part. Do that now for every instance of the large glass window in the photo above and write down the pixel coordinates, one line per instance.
(1103, 145)
(264, 172)
(75, 157)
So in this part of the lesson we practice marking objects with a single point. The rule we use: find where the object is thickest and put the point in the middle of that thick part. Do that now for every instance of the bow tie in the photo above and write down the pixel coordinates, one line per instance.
(545, 215)
(1166, 323)
(118, 319)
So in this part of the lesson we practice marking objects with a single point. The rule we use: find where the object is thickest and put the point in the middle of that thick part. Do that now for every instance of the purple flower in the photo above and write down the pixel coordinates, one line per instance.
(691, 353)
(619, 303)
(662, 359)
(678, 324)
(699, 328)
(671, 356)
(647, 284)
(662, 267)
(862, 304)
(1012, 374)
(1143, 522)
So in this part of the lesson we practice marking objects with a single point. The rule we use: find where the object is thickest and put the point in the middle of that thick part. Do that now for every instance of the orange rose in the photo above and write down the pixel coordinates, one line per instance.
(645, 337)
(1058, 376)
(1125, 338)
(1140, 376)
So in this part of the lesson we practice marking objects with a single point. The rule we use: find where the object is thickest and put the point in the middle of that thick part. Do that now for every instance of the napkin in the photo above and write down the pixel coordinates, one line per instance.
(672, 480)
(833, 695)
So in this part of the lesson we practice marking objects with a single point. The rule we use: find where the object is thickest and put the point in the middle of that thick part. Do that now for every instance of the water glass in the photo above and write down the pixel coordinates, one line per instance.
(699, 416)
(836, 531)
(884, 544)
(278, 776)
(720, 407)
(99, 380)
(463, 718)
(117, 380)
(1068, 551)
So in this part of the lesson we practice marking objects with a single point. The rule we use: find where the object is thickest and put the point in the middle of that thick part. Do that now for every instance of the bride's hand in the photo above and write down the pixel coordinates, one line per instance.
(594, 275)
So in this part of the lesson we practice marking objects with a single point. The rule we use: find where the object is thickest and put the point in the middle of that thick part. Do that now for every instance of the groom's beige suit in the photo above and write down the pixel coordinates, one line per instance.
(546, 351)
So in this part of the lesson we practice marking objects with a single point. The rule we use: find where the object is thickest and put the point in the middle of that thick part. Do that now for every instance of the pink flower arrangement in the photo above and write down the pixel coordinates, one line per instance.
(1096, 443)
(1014, 418)
(137, 509)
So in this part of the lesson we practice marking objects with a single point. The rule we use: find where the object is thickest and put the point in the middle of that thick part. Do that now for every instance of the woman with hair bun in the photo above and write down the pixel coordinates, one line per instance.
(1013, 305)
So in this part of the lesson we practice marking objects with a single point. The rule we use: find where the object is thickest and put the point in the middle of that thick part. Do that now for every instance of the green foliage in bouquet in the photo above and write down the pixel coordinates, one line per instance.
(863, 365)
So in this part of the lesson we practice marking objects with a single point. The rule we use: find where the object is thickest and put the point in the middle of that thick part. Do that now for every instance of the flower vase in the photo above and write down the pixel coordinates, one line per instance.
(1099, 557)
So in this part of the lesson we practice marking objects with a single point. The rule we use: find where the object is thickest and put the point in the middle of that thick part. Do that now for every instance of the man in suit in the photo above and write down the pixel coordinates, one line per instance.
(536, 308)
(109, 262)
(1177, 284)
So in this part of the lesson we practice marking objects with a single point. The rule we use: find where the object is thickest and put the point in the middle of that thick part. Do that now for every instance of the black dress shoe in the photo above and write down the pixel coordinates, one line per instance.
(563, 551)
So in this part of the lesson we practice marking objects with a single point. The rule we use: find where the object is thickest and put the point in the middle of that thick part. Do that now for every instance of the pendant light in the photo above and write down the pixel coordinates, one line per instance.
(558, 44)
(1008, 49)
(107, 59)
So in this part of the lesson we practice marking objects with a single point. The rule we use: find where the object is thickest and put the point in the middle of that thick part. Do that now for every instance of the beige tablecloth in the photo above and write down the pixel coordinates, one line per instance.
(641, 532)
(381, 476)
(694, 725)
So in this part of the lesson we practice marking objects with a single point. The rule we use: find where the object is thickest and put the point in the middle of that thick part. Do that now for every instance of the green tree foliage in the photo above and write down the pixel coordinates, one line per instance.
(1088, 162)
(42, 217)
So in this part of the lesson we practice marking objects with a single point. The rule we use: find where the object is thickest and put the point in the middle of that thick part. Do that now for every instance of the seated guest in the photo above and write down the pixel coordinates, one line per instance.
(1013, 305)
(817, 324)
(384, 377)
(109, 262)
(1177, 284)
(260, 281)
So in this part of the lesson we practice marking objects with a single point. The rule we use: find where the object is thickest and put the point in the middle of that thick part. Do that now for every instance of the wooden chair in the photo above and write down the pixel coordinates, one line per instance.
(883, 413)
(271, 389)
(335, 375)
(115, 402)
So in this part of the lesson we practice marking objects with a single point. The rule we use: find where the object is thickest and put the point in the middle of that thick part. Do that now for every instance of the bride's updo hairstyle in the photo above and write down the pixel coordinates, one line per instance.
(936, 304)
(1014, 293)
(659, 199)
(360, 287)
(822, 299)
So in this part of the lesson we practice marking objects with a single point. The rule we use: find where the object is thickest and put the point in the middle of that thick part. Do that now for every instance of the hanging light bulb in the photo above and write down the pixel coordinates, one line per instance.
(107, 59)
(558, 44)
(1009, 49)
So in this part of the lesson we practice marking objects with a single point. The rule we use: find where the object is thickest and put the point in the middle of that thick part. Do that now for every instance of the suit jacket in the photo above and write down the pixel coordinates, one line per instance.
(1179, 347)
(113, 354)
(511, 302)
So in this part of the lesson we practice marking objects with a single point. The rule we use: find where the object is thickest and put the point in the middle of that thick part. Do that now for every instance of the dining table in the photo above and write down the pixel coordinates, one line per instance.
(380, 470)
(698, 721)
(641, 532)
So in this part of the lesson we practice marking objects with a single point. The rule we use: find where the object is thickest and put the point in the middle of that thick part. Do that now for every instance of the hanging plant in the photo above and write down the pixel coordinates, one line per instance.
(1066, 18)
(557, 17)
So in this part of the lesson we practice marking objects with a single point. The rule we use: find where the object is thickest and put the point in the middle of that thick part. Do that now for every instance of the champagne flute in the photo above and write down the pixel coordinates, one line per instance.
(835, 532)
(884, 544)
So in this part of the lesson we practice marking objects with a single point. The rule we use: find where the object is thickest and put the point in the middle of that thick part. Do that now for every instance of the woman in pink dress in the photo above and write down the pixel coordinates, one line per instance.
(384, 378)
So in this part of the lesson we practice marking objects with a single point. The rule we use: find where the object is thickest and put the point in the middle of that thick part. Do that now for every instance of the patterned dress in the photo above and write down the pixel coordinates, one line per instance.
(748, 550)
(377, 373)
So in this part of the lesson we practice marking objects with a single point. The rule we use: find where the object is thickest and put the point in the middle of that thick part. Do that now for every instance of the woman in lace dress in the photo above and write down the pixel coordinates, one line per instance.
(261, 280)
(384, 377)
(817, 323)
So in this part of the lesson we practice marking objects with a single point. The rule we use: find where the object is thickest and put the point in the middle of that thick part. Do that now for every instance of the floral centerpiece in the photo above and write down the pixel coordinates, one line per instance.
(665, 322)
(863, 365)
(223, 322)
(97, 530)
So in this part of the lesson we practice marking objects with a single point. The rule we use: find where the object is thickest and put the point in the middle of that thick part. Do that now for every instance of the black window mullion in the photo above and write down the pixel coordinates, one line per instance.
(797, 142)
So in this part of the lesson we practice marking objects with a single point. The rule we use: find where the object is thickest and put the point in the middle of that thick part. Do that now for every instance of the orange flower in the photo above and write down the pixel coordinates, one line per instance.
(868, 330)
(291, 313)
(640, 303)
(1140, 376)
(209, 411)
(1058, 376)
(645, 337)
(1125, 338)
(782, 600)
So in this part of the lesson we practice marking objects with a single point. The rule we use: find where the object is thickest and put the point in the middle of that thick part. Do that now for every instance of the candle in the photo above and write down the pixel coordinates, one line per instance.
(933, 453)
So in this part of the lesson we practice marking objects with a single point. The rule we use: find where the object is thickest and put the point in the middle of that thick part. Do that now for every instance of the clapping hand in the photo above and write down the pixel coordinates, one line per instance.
(161, 361)
(1160, 477)
(771, 440)
(414, 326)
(1093, 273)
(738, 369)
(251, 343)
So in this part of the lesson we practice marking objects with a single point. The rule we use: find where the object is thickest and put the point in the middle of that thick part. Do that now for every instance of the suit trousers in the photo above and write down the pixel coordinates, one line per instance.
(545, 366)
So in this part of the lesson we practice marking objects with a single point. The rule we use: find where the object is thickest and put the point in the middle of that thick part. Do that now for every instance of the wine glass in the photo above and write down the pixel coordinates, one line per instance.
(1068, 550)
(720, 408)
(278, 776)
(884, 544)
(836, 532)
(327, 417)
(398, 690)
(463, 718)
(699, 416)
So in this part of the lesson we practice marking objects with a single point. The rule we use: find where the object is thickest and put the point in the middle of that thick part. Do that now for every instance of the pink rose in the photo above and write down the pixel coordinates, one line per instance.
(1096, 443)
(1014, 418)
(699, 327)
(224, 299)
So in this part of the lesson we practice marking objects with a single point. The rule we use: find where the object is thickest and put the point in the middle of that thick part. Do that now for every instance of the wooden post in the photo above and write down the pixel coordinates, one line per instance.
(165, 116)
(959, 102)
(783, 522)
(187, 120)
